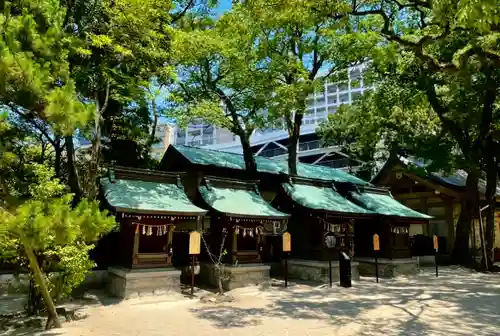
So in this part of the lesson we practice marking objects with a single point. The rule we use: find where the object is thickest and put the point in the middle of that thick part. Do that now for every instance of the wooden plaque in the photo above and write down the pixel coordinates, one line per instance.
(330, 241)
(376, 242)
(436, 242)
(194, 242)
(287, 242)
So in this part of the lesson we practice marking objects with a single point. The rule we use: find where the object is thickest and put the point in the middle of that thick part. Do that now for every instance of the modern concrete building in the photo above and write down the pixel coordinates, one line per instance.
(273, 142)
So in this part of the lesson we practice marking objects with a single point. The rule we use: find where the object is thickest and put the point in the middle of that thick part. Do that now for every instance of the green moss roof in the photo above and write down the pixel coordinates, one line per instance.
(264, 165)
(327, 174)
(384, 204)
(322, 198)
(239, 203)
(148, 197)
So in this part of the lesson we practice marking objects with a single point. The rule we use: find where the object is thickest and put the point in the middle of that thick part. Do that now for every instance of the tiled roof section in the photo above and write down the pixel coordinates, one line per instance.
(239, 202)
(322, 198)
(457, 179)
(148, 197)
(264, 165)
(384, 204)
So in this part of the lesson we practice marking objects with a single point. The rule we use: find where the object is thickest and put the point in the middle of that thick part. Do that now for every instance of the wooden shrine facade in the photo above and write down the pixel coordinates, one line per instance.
(318, 211)
(240, 218)
(151, 208)
(434, 194)
(393, 222)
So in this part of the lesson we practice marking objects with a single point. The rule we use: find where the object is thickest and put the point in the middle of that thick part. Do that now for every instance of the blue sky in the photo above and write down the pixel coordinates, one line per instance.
(224, 6)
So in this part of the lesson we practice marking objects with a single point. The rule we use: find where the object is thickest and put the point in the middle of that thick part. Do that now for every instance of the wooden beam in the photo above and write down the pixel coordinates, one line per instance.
(451, 227)
(262, 148)
(235, 246)
(170, 239)
(135, 254)
(414, 195)
(432, 185)
(280, 145)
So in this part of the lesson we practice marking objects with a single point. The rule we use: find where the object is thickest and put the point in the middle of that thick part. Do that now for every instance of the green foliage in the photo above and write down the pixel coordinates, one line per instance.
(220, 79)
(34, 64)
(391, 119)
(446, 51)
(61, 236)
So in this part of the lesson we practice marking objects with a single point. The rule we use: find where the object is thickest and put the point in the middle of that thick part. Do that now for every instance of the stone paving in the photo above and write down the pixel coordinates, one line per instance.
(460, 302)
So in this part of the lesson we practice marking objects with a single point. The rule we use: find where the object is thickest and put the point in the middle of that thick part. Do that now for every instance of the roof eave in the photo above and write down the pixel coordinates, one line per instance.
(160, 212)
(229, 214)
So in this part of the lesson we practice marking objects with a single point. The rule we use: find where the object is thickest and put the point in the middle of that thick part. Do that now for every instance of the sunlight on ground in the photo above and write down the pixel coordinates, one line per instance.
(459, 302)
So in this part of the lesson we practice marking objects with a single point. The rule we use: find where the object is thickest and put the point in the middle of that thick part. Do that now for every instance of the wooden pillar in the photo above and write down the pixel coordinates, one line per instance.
(135, 253)
(258, 239)
(170, 239)
(199, 223)
(234, 245)
(450, 225)
(425, 209)
(391, 239)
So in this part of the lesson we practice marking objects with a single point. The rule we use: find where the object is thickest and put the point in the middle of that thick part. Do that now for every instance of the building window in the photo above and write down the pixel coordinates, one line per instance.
(332, 99)
(194, 132)
(344, 86)
(332, 88)
(320, 101)
(355, 95)
(344, 98)
(332, 109)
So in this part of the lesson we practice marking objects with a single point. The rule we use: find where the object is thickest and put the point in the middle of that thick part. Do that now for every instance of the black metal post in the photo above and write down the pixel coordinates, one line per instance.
(376, 265)
(192, 276)
(436, 262)
(330, 267)
(286, 270)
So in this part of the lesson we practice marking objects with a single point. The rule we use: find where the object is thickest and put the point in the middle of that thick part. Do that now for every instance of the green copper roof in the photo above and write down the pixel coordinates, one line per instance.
(264, 165)
(226, 160)
(384, 204)
(321, 198)
(327, 174)
(148, 197)
(239, 202)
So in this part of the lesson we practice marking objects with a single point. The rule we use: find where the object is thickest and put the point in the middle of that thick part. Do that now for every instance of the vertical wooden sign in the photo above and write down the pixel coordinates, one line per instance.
(194, 249)
(376, 242)
(287, 242)
(287, 248)
(376, 248)
(435, 242)
(194, 243)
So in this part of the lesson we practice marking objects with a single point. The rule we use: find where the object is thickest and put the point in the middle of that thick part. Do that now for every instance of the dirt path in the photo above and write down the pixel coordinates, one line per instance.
(458, 303)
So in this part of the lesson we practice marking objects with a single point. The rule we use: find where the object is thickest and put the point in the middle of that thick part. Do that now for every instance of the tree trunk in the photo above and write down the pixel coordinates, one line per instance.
(294, 135)
(220, 275)
(469, 205)
(491, 184)
(73, 181)
(58, 152)
(96, 153)
(250, 165)
(152, 135)
(40, 281)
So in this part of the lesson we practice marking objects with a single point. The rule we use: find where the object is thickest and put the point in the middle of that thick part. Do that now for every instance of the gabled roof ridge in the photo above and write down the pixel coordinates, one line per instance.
(280, 164)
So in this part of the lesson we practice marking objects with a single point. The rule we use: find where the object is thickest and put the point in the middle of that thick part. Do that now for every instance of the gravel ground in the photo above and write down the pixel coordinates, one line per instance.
(459, 302)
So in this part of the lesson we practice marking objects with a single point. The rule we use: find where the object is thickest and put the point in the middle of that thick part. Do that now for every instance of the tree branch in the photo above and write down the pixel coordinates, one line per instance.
(177, 17)
(106, 99)
(461, 137)
(417, 47)
(35, 124)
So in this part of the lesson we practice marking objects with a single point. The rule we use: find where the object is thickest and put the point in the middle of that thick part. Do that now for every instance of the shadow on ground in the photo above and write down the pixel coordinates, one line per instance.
(459, 302)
